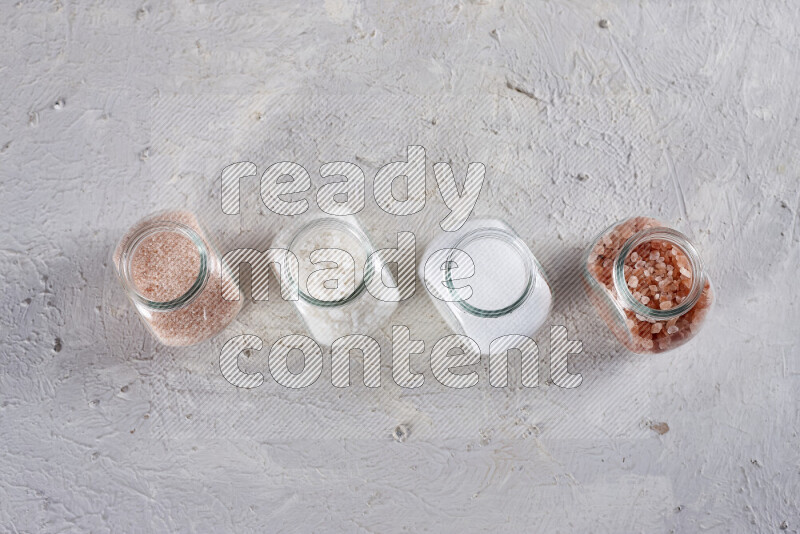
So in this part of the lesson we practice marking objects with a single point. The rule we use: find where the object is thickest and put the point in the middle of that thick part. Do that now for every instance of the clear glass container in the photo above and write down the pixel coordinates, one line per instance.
(504, 291)
(648, 283)
(331, 311)
(173, 275)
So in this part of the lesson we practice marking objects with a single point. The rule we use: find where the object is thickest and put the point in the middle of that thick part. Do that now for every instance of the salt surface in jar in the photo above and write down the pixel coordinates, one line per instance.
(334, 270)
(173, 276)
(502, 291)
(648, 283)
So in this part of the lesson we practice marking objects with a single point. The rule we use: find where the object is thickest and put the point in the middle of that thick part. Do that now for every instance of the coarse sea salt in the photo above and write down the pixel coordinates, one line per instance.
(332, 311)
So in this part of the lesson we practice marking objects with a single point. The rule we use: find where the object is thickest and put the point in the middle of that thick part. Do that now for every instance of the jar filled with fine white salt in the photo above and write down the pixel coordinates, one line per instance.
(336, 263)
(486, 282)
(173, 275)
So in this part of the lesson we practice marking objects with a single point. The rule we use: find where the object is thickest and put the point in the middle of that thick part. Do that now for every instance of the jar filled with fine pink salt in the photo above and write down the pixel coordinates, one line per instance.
(174, 277)
(648, 283)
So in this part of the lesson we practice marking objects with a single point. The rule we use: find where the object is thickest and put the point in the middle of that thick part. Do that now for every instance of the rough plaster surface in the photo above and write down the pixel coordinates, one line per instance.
(687, 111)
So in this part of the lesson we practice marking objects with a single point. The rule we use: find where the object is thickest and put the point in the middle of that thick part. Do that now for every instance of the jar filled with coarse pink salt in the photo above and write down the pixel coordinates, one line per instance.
(648, 283)
(174, 277)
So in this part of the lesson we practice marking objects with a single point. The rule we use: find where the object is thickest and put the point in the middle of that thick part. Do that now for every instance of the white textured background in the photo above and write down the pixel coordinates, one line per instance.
(684, 110)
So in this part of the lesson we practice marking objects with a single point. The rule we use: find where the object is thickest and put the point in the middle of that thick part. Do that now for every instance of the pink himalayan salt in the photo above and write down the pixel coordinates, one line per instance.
(164, 267)
(673, 277)
(656, 328)
(641, 334)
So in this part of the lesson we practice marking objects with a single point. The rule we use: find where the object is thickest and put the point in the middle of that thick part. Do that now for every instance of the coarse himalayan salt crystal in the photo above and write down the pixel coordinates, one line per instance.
(664, 284)
(164, 267)
(662, 281)
(656, 328)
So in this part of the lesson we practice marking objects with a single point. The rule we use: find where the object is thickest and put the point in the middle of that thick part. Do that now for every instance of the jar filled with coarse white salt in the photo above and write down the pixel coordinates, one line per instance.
(336, 263)
(486, 282)
(173, 275)
(648, 283)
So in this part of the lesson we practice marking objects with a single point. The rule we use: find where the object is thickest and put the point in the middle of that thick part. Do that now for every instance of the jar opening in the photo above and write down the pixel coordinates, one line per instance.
(503, 276)
(622, 282)
(329, 233)
(164, 266)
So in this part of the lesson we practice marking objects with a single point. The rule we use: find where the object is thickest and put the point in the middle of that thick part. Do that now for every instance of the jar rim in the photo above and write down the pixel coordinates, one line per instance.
(354, 231)
(677, 239)
(517, 245)
(129, 252)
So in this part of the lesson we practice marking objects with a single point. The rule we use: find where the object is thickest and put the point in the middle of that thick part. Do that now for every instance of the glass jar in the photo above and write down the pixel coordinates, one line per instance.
(501, 291)
(331, 311)
(648, 283)
(173, 275)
